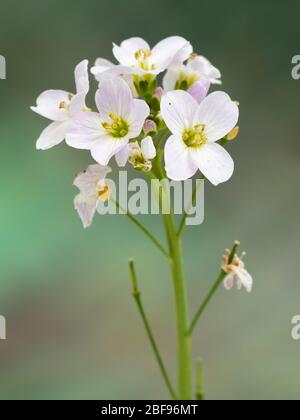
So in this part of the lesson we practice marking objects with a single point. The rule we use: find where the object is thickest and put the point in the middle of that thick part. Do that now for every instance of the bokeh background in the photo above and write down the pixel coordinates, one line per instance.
(73, 330)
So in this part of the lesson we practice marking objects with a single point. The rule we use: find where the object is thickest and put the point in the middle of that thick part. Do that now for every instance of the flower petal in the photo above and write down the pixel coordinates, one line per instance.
(114, 96)
(87, 181)
(178, 161)
(170, 52)
(54, 134)
(137, 116)
(123, 155)
(86, 208)
(148, 148)
(82, 77)
(48, 105)
(229, 281)
(204, 69)
(199, 90)
(178, 109)
(86, 131)
(125, 53)
(245, 278)
(170, 79)
(214, 162)
(106, 148)
(219, 113)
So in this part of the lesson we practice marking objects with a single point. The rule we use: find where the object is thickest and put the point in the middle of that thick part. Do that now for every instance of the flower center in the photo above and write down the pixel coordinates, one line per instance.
(186, 80)
(66, 105)
(195, 137)
(142, 57)
(117, 128)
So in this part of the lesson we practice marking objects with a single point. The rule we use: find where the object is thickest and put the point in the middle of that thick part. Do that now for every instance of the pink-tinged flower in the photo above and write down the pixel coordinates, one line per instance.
(120, 119)
(93, 188)
(195, 77)
(236, 273)
(61, 107)
(136, 55)
(195, 130)
(139, 155)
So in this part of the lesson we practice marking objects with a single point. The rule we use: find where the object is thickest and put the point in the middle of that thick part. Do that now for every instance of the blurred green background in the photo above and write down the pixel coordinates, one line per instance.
(73, 330)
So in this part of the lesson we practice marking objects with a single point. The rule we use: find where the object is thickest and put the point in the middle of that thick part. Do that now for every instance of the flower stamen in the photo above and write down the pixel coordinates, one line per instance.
(195, 137)
(117, 128)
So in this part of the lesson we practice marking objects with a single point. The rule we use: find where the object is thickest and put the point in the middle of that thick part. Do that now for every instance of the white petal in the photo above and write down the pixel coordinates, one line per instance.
(78, 104)
(214, 162)
(199, 90)
(148, 148)
(178, 109)
(123, 155)
(101, 65)
(48, 105)
(178, 161)
(204, 69)
(245, 278)
(87, 181)
(170, 79)
(114, 96)
(86, 208)
(229, 281)
(86, 131)
(106, 148)
(82, 77)
(170, 52)
(219, 113)
(54, 134)
(137, 116)
(125, 54)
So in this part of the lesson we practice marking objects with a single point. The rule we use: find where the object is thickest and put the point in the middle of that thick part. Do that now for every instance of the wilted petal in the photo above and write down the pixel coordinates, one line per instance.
(229, 281)
(178, 109)
(178, 161)
(214, 162)
(219, 114)
(54, 134)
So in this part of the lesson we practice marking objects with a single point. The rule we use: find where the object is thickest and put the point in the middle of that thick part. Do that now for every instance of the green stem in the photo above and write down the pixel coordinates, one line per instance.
(143, 229)
(181, 305)
(199, 379)
(137, 297)
(184, 217)
(213, 290)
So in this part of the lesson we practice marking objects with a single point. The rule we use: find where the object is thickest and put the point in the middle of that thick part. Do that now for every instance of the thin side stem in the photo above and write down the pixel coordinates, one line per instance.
(137, 297)
(199, 380)
(213, 290)
(144, 229)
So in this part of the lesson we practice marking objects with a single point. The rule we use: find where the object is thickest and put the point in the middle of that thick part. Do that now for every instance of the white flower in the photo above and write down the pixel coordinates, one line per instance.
(60, 107)
(93, 187)
(120, 118)
(136, 55)
(139, 156)
(197, 68)
(195, 129)
(236, 273)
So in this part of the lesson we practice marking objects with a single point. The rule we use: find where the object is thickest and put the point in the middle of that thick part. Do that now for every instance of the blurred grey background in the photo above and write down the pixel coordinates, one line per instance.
(73, 330)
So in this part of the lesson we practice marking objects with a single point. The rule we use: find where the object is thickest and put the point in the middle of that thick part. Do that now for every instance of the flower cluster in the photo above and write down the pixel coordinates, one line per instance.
(142, 117)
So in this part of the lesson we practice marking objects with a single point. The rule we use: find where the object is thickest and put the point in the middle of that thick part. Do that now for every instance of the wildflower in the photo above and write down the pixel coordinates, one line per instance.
(136, 54)
(60, 107)
(236, 273)
(93, 187)
(139, 156)
(120, 119)
(195, 130)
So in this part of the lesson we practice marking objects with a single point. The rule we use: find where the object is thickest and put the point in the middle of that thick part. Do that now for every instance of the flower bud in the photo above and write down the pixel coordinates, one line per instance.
(233, 134)
(150, 126)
